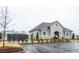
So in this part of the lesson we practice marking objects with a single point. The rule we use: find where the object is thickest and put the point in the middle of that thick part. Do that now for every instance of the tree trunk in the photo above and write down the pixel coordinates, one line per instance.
(4, 38)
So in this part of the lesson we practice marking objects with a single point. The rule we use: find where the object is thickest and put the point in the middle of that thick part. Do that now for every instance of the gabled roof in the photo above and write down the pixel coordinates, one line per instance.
(67, 29)
(40, 26)
(44, 24)
(64, 28)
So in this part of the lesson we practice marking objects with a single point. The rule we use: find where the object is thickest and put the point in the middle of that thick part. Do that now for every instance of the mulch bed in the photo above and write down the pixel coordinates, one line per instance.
(8, 49)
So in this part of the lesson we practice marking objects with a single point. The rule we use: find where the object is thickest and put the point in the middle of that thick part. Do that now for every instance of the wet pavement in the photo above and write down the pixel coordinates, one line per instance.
(52, 48)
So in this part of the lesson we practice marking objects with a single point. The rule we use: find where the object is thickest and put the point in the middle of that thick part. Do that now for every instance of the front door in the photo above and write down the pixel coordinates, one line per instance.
(56, 33)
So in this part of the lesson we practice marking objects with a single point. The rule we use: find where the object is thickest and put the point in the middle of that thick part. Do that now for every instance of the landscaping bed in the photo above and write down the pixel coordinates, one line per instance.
(9, 49)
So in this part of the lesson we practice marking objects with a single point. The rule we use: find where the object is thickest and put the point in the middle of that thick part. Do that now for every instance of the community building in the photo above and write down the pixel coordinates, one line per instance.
(50, 30)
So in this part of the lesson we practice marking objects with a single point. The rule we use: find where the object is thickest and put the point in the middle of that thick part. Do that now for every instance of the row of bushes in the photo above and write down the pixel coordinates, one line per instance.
(45, 40)
(51, 40)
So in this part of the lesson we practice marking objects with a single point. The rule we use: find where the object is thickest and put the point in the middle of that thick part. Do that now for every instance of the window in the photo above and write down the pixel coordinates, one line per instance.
(67, 34)
(48, 27)
(44, 33)
(56, 24)
(56, 33)
(64, 33)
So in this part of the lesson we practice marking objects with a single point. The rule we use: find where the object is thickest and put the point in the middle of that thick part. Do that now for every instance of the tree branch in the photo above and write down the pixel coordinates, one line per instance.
(1, 24)
(9, 21)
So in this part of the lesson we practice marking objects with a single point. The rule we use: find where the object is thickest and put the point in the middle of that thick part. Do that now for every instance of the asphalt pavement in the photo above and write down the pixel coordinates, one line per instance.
(52, 48)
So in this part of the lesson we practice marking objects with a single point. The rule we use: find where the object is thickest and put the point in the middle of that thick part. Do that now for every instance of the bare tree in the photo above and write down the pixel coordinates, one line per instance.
(5, 19)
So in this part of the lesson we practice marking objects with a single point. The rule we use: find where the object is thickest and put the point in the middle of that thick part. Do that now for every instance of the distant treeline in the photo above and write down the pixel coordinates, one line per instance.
(17, 36)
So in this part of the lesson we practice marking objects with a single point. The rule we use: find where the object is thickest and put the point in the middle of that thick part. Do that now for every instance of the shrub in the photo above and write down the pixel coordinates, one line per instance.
(62, 37)
(59, 40)
(62, 40)
(73, 36)
(22, 41)
(38, 41)
(26, 41)
(41, 40)
(51, 40)
(55, 38)
(67, 40)
(32, 40)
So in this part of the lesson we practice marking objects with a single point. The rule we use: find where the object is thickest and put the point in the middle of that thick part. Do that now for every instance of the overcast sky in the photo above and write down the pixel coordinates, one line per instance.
(31, 13)
(28, 17)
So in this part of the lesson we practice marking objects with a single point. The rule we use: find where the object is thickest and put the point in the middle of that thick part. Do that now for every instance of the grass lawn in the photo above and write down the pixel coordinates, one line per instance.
(74, 40)
(10, 47)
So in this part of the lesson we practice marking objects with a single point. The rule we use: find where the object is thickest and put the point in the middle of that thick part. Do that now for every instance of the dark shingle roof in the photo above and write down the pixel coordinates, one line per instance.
(66, 29)
(40, 26)
(44, 24)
